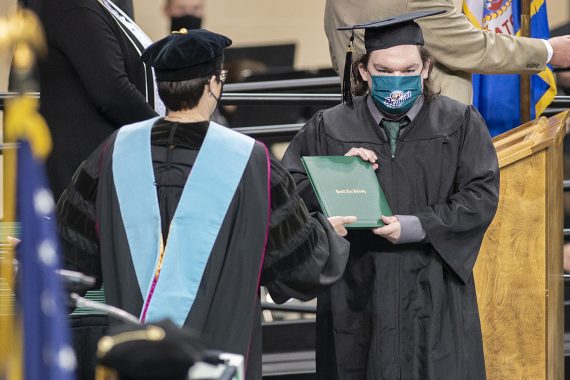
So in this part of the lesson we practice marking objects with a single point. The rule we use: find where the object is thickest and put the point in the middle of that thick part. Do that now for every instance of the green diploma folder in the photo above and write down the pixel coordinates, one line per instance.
(347, 186)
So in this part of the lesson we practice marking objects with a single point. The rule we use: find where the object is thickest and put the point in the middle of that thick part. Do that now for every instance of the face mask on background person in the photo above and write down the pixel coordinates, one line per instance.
(187, 21)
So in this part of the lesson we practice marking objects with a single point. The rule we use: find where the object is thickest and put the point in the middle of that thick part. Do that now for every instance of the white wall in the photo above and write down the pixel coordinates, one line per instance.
(558, 12)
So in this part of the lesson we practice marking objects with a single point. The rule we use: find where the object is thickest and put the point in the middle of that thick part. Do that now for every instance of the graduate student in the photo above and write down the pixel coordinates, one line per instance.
(182, 218)
(406, 306)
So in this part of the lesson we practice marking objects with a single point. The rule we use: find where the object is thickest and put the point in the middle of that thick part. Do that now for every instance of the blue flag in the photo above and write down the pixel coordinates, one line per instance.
(47, 352)
(497, 97)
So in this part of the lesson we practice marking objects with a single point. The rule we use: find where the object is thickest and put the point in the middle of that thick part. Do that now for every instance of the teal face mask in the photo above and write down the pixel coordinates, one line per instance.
(395, 94)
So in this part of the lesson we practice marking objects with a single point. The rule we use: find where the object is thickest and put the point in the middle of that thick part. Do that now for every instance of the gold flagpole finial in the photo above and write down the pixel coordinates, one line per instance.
(181, 31)
(22, 26)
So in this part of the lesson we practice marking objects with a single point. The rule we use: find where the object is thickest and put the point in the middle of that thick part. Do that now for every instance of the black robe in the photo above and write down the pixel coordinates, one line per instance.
(408, 311)
(304, 255)
(92, 81)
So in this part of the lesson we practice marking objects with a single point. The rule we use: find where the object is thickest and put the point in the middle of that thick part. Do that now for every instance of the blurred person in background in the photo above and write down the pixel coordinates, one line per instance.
(92, 80)
(125, 5)
(184, 13)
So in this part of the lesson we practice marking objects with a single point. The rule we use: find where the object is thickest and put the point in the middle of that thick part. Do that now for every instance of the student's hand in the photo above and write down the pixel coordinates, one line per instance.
(392, 229)
(365, 154)
(339, 222)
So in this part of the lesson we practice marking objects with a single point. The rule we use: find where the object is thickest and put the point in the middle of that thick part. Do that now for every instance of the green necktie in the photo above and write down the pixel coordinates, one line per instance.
(392, 128)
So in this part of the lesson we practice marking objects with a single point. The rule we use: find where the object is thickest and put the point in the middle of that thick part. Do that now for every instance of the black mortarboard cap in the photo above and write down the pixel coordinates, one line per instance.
(155, 351)
(185, 55)
(383, 34)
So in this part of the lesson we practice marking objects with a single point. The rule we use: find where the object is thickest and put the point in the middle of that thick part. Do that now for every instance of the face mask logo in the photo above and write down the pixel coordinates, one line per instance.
(397, 98)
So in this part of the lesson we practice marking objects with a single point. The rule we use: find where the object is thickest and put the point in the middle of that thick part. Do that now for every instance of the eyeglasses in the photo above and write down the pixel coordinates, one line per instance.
(223, 75)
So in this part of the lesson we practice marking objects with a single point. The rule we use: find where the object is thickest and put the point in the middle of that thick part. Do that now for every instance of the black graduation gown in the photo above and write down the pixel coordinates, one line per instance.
(92, 81)
(408, 311)
(304, 255)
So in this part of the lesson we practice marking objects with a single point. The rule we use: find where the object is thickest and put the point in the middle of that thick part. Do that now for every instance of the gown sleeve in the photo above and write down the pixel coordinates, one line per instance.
(304, 254)
(76, 217)
(455, 228)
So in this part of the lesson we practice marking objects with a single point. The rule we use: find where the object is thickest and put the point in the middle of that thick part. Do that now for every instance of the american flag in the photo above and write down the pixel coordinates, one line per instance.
(48, 354)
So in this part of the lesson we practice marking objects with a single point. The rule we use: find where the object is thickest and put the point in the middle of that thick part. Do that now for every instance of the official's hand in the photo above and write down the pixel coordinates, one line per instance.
(339, 222)
(392, 229)
(561, 48)
(365, 154)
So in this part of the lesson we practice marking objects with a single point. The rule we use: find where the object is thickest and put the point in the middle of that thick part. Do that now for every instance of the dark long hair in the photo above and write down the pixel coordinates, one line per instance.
(359, 86)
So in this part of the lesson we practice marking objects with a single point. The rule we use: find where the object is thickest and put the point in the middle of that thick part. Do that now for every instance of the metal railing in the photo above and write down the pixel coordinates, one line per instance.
(288, 84)
(4, 96)
(560, 103)
(237, 98)
(290, 308)
(267, 93)
(236, 94)
(280, 132)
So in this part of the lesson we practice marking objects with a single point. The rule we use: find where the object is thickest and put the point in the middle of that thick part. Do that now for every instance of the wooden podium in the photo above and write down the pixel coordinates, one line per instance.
(518, 274)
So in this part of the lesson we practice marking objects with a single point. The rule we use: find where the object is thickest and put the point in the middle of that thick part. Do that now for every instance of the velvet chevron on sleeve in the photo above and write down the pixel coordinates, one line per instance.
(76, 217)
